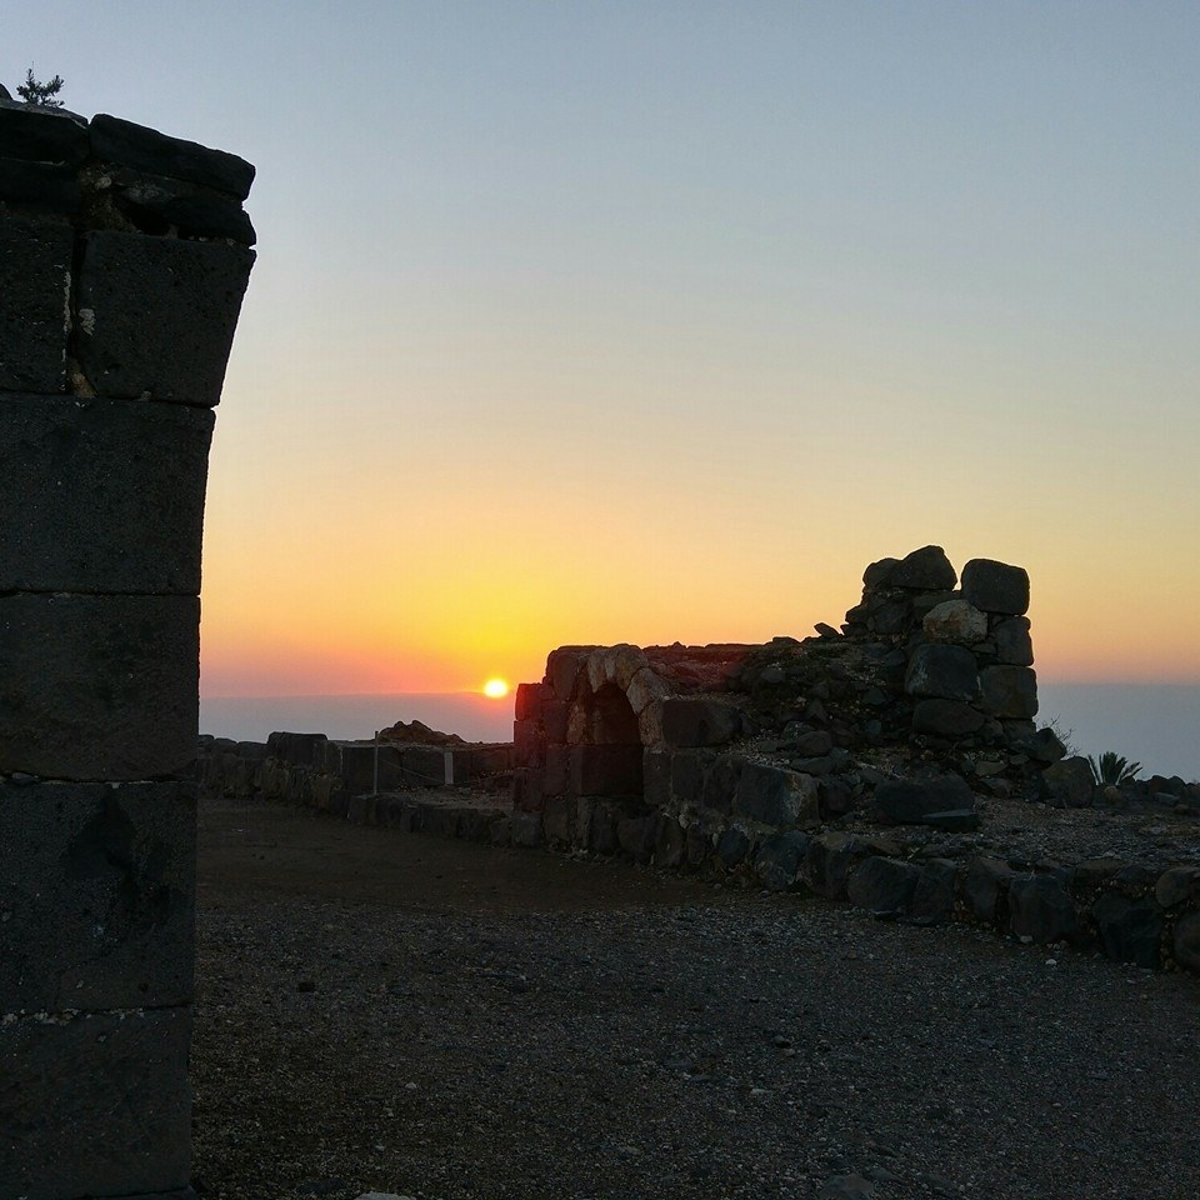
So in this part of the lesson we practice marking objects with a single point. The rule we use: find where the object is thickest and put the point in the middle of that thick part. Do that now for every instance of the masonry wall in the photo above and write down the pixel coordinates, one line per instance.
(124, 256)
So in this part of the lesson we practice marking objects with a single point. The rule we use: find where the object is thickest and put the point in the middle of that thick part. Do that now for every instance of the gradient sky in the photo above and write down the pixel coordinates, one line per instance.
(652, 321)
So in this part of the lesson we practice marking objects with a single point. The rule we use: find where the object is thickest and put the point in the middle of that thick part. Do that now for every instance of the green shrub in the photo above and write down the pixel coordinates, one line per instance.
(1112, 768)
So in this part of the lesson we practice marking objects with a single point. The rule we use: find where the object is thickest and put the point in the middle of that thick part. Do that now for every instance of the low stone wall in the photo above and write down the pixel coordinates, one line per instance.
(315, 771)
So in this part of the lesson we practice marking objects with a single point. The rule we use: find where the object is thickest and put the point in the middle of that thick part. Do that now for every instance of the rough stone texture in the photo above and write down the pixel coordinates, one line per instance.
(947, 718)
(120, 141)
(779, 859)
(96, 895)
(775, 796)
(98, 687)
(945, 672)
(121, 495)
(927, 569)
(1130, 930)
(933, 898)
(1013, 643)
(46, 187)
(605, 770)
(955, 621)
(883, 885)
(1186, 942)
(1009, 691)
(35, 264)
(94, 1104)
(693, 722)
(158, 205)
(995, 587)
(157, 315)
(42, 136)
(1040, 909)
(985, 889)
(911, 801)
(1069, 782)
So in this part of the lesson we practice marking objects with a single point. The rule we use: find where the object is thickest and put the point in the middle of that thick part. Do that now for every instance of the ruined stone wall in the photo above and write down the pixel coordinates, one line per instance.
(124, 256)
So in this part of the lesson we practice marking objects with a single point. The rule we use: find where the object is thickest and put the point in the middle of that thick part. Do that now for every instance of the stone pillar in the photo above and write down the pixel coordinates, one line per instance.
(124, 255)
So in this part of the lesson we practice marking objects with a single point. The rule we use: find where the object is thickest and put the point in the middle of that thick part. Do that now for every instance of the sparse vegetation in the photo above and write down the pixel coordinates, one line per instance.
(33, 91)
(1113, 768)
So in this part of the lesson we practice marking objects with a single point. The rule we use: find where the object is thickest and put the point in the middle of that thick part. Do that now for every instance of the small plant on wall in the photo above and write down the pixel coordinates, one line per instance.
(33, 91)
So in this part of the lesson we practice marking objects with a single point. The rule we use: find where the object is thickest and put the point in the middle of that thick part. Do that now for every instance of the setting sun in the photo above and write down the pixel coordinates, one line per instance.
(496, 689)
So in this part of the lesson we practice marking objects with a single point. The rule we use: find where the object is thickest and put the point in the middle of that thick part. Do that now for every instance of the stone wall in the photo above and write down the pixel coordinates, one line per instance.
(124, 255)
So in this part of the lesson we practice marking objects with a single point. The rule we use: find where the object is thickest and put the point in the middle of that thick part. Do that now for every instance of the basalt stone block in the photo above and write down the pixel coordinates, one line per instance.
(933, 898)
(925, 570)
(721, 782)
(557, 772)
(669, 844)
(117, 141)
(566, 668)
(605, 770)
(1177, 885)
(527, 790)
(637, 835)
(996, 587)
(98, 687)
(529, 743)
(1043, 745)
(35, 280)
(689, 769)
(1014, 646)
(733, 846)
(778, 860)
(656, 778)
(422, 766)
(883, 885)
(554, 720)
(955, 621)
(158, 205)
(1068, 783)
(558, 820)
(48, 187)
(42, 136)
(120, 495)
(985, 890)
(1040, 908)
(95, 1104)
(1185, 942)
(1009, 691)
(97, 889)
(689, 722)
(911, 801)
(946, 718)
(944, 672)
(300, 749)
(828, 860)
(157, 315)
(1130, 930)
(774, 796)
(527, 705)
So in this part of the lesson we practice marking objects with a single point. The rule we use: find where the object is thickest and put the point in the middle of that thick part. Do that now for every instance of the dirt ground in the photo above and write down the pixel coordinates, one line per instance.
(431, 1018)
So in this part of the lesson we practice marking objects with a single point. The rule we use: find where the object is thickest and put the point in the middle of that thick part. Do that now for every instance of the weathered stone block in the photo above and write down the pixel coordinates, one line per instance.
(529, 743)
(688, 722)
(1009, 691)
(42, 136)
(828, 861)
(656, 778)
(995, 587)
(554, 720)
(117, 141)
(120, 488)
(95, 1104)
(558, 820)
(985, 890)
(776, 796)
(721, 782)
(1013, 643)
(157, 315)
(778, 860)
(733, 846)
(564, 669)
(1130, 930)
(156, 204)
(1040, 908)
(883, 885)
(605, 770)
(1069, 783)
(910, 801)
(669, 844)
(557, 776)
(1177, 885)
(44, 187)
(956, 622)
(946, 718)
(1186, 942)
(946, 672)
(637, 836)
(35, 280)
(926, 570)
(688, 771)
(97, 890)
(933, 898)
(98, 687)
(527, 789)
(298, 749)
(422, 766)
(528, 703)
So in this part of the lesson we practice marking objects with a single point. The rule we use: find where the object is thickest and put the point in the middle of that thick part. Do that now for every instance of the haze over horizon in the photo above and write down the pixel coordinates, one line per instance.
(598, 323)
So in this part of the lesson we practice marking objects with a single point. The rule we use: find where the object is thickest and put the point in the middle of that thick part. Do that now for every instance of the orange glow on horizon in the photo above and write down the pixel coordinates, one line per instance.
(495, 689)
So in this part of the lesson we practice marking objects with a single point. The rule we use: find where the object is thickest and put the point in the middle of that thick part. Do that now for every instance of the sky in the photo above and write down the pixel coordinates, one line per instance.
(652, 321)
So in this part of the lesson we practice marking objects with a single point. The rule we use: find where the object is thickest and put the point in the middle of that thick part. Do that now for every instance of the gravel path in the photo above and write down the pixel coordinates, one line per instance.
(385, 1012)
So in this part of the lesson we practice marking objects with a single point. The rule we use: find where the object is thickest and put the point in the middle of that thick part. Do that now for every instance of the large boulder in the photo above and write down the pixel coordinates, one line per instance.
(690, 722)
(883, 885)
(946, 718)
(1009, 691)
(1069, 783)
(946, 672)
(996, 587)
(955, 621)
(1041, 910)
(924, 570)
(913, 801)
(775, 796)
(1013, 643)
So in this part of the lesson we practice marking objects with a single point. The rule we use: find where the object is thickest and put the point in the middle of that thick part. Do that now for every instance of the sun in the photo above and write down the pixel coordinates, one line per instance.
(495, 689)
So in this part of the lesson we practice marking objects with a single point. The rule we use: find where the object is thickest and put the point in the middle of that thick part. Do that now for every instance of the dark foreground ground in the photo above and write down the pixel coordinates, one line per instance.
(387, 1012)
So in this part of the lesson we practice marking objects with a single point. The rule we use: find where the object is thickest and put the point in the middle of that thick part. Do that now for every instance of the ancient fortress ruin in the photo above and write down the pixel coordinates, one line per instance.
(124, 255)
